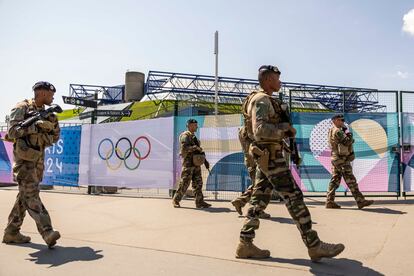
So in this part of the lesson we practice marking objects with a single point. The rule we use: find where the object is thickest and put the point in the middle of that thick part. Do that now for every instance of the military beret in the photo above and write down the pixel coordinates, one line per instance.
(192, 121)
(337, 116)
(45, 85)
(270, 68)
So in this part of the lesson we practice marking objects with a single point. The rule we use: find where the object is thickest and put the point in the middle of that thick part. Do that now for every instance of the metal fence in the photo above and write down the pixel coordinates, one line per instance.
(346, 102)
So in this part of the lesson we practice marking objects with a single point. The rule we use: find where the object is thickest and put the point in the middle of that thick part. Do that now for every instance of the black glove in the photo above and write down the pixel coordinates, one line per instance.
(297, 160)
(291, 132)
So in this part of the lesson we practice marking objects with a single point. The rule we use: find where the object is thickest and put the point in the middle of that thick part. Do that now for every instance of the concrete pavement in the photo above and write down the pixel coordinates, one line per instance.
(104, 235)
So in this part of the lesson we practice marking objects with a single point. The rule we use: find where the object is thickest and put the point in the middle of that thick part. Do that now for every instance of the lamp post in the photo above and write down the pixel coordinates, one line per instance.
(216, 73)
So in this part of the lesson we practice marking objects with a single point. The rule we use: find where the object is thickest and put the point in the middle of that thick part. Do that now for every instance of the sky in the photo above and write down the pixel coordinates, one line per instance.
(352, 43)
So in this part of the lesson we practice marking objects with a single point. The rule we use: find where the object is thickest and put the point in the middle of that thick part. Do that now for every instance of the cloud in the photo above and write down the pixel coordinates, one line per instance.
(402, 75)
(408, 25)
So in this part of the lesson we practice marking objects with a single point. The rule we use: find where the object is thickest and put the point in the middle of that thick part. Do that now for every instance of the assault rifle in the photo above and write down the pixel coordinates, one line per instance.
(40, 115)
(293, 146)
(35, 116)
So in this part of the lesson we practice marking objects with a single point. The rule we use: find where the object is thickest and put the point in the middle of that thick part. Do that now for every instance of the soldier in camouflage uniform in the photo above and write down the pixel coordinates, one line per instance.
(342, 154)
(267, 130)
(28, 151)
(191, 172)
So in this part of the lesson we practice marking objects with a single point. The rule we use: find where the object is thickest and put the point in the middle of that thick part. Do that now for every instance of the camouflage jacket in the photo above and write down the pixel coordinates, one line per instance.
(263, 118)
(31, 137)
(189, 144)
(340, 143)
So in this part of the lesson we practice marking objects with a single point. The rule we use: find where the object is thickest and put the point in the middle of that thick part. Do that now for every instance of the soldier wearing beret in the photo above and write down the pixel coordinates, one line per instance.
(341, 143)
(267, 129)
(28, 152)
(193, 157)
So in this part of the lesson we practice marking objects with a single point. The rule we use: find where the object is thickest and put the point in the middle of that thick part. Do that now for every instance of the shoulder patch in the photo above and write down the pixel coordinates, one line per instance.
(21, 104)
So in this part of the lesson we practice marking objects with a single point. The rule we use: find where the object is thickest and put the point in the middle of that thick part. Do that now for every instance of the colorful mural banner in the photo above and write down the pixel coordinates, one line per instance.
(376, 164)
(6, 161)
(145, 153)
(135, 154)
(62, 159)
(219, 139)
(408, 151)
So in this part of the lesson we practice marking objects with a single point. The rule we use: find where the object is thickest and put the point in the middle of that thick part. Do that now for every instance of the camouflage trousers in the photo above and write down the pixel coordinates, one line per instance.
(244, 198)
(193, 175)
(27, 176)
(343, 168)
(278, 177)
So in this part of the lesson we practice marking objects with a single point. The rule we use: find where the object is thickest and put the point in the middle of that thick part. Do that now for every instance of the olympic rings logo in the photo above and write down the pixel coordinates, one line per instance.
(107, 149)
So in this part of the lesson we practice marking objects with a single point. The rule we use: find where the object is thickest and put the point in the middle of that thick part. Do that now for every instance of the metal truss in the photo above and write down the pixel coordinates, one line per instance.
(199, 89)
(190, 87)
(341, 100)
(105, 94)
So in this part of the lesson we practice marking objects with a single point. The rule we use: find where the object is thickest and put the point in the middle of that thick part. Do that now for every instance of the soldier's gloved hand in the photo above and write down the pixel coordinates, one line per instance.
(291, 132)
(46, 139)
(197, 148)
(51, 117)
(297, 160)
(207, 164)
(45, 125)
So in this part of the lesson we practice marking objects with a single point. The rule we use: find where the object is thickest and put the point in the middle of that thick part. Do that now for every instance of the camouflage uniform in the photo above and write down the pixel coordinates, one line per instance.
(244, 198)
(342, 155)
(267, 132)
(189, 144)
(249, 163)
(28, 166)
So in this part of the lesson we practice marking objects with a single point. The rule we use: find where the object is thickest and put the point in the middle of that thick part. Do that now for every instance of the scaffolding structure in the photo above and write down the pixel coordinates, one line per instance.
(104, 94)
(195, 88)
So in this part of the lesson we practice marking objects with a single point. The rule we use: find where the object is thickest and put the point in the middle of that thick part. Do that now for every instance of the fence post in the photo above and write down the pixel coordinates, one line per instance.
(400, 143)
(243, 182)
(175, 153)
(175, 108)
(400, 111)
(93, 121)
(215, 185)
(343, 102)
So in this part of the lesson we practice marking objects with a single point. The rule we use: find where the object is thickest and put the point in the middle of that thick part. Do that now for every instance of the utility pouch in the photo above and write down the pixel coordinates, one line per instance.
(263, 161)
(262, 157)
(199, 159)
(25, 152)
(343, 150)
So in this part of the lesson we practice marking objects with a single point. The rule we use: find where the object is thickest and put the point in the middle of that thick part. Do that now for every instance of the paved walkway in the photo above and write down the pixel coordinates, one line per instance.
(104, 235)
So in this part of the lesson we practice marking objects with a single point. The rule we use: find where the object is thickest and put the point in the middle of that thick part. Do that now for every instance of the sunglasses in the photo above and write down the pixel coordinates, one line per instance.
(269, 67)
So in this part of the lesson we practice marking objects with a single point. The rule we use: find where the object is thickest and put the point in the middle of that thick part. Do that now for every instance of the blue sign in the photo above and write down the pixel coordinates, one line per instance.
(62, 159)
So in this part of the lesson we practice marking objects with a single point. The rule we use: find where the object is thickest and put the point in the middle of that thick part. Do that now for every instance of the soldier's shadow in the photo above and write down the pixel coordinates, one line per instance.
(61, 255)
(384, 211)
(342, 266)
(350, 206)
(281, 220)
(380, 210)
(211, 209)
